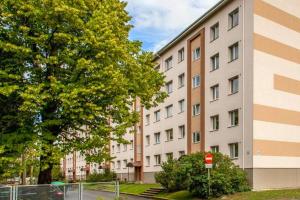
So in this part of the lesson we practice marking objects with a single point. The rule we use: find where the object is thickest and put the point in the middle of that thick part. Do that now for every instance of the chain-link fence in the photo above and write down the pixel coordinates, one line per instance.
(76, 191)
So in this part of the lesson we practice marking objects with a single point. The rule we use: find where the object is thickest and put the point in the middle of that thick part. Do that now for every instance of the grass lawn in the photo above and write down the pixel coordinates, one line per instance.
(129, 188)
(264, 195)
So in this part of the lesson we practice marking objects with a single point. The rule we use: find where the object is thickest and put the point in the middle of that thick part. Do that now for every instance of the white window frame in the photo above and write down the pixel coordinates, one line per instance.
(125, 162)
(196, 137)
(181, 80)
(147, 140)
(169, 135)
(169, 111)
(157, 115)
(196, 109)
(168, 63)
(234, 150)
(215, 62)
(124, 147)
(214, 32)
(147, 119)
(181, 55)
(181, 105)
(157, 159)
(234, 117)
(196, 54)
(148, 161)
(215, 149)
(233, 52)
(196, 81)
(157, 138)
(234, 86)
(181, 130)
(169, 87)
(233, 18)
(215, 122)
(118, 148)
(169, 156)
(215, 92)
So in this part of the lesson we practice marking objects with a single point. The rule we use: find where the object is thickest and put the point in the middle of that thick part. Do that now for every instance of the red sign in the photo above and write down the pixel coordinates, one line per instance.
(208, 158)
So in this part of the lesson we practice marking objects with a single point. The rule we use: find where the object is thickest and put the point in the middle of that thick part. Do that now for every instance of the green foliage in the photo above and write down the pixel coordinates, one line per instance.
(173, 176)
(102, 177)
(225, 178)
(67, 67)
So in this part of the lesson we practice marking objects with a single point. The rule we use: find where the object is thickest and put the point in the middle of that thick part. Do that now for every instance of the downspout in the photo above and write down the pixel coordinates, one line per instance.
(243, 78)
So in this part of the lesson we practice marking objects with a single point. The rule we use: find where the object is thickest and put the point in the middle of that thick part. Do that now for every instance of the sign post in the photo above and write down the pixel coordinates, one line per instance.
(208, 165)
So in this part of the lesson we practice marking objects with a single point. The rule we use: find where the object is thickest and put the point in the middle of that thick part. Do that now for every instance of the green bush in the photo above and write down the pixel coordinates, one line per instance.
(189, 172)
(102, 177)
(172, 177)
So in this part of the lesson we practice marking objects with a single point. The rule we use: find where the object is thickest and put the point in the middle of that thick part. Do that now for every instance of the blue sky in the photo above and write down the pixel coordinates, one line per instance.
(156, 22)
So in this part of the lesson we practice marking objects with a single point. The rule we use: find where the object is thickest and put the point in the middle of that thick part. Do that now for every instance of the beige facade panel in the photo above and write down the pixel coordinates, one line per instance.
(277, 15)
(276, 148)
(275, 48)
(286, 84)
(276, 115)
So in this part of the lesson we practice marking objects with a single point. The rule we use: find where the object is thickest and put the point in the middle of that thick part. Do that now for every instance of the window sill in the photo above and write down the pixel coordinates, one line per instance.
(181, 112)
(156, 165)
(194, 60)
(156, 143)
(214, 130)
(235, 158)
(168, 69)
(232, 126)
(169, 140)
(169, 117)
(214, 70)
(232, 60)
(211, 41)
(196, 87)
(211, 101)
(156, 121)
(233, 93)
(230, 28)
(180, 138)
(181, 86)
(196, 142)
(147, 166)
(196, 115)
(180, 61)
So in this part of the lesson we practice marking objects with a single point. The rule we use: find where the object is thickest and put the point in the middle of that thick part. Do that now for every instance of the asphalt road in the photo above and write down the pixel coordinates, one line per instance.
(99, 195)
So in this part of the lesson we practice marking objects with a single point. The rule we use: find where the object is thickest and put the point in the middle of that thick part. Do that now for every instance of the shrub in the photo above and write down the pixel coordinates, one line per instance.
(226, 177)
(189, 172)
(172, 177)
(102, 177)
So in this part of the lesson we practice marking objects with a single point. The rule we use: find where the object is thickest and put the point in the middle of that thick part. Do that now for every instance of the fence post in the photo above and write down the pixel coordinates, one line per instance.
(118, 189)
(81, 191)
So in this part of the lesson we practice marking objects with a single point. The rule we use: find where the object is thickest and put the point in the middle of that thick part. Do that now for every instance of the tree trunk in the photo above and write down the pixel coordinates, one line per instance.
(45, 174)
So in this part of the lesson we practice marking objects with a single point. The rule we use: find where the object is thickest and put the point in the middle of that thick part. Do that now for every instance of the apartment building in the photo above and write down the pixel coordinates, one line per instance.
(233, 79)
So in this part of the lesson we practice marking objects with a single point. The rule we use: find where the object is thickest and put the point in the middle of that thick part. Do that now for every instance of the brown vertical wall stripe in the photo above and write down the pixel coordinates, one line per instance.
(286, 84)
(277, 15)
(276, 148)
(275, 48)
(276, 115)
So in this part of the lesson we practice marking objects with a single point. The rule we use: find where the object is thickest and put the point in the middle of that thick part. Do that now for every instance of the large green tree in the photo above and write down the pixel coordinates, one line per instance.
(68, 67)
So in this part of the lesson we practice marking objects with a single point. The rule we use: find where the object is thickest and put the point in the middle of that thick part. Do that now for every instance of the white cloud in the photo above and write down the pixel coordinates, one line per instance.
(163, 18)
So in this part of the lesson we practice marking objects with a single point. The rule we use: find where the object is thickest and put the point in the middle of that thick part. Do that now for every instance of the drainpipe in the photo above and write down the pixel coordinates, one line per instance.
(243, 78)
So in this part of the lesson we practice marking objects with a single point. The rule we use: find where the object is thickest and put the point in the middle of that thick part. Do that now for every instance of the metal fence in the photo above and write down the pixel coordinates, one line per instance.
(74, 191)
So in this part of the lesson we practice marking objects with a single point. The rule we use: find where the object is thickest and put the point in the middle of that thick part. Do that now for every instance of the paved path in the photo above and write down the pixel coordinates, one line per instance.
(95, 195)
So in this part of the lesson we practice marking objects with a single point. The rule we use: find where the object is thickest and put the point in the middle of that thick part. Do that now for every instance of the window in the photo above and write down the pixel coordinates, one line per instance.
(234, 85)
(119, 164)
(131, 144)
(118, 148)
(196, 81)
(169, 111)
(233, 18)
(196, 109)
(157, 159)
(168, 63)
(157, 68)
(113, 165)
(169, 156)
(113, 148)
(181, 55)
(181, 105)
(124, 147)
(214, 62)
(169, 134)
(214, 149)
(196, 54)
(234, 52)
(215, 92)
(147, 140)
(147, 161)
(180, 80)
(214, 32)
(181, 153)
(148, 119)
(215, 122)
(181, 130)
(169, 87)
(234, 117)
(234, 150)
(157, 138)
(157, 115)
(196, 137)
(124, 164)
